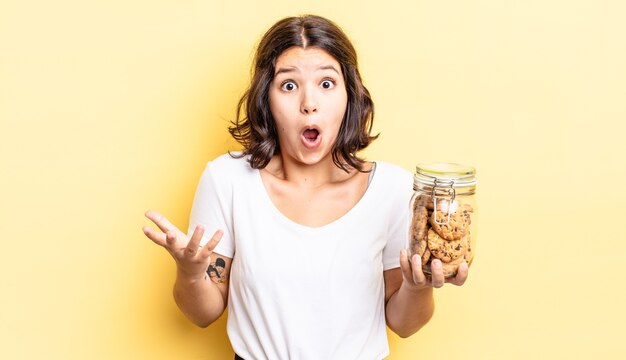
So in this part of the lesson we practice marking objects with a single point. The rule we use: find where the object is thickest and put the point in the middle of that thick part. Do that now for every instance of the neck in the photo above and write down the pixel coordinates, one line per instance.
(311, 176)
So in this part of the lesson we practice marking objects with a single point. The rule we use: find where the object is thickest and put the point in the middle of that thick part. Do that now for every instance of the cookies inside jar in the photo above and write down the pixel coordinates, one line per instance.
(442, 229)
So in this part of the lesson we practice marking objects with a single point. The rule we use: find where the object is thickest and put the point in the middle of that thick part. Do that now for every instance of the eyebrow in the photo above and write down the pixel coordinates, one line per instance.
(292, 69)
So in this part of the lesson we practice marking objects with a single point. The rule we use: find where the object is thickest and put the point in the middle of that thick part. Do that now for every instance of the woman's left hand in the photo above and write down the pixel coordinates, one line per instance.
(415, 278)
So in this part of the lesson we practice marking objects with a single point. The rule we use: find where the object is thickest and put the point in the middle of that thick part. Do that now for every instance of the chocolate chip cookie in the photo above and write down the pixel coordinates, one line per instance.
(446, 250)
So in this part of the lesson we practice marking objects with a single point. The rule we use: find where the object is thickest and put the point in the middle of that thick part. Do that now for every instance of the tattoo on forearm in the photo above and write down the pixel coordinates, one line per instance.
(217, 271)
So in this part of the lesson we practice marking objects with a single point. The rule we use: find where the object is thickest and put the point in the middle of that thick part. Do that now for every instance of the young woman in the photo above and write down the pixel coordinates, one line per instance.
(308, 236)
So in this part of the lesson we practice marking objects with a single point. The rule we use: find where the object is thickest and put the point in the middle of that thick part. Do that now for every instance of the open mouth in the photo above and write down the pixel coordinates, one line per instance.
(311, 134)
(311, 137)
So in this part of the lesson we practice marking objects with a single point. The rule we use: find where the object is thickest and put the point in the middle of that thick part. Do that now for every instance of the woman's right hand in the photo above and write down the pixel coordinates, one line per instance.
(192, 260)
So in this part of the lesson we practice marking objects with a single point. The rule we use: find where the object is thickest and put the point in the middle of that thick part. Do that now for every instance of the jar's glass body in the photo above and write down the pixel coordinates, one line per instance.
(444, 223)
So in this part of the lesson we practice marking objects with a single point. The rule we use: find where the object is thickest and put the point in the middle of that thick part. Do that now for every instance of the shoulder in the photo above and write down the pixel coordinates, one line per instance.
(226, 171)
(392, 183)
(230, 161)
(227, 165)
(389, 172)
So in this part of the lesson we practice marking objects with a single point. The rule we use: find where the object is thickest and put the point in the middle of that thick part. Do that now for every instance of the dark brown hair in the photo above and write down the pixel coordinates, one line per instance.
(256, 131)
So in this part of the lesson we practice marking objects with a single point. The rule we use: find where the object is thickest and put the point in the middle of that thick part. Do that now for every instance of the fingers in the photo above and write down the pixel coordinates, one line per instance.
(167, 240)
(209, 246)
(437, 273)
(405, 266)
(418, 275)
(194, 242)
(157, 237)
(412, 269)
(160, 221)
(461, 275)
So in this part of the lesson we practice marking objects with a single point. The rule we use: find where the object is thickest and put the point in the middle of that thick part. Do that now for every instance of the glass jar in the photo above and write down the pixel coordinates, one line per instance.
(444, 215)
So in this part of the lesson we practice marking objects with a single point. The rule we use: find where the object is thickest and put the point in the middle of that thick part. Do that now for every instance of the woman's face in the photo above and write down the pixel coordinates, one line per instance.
(308, 100)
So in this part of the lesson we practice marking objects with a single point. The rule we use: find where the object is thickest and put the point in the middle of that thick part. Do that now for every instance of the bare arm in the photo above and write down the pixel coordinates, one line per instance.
(407, 309)
(202, 298)
(409, 302)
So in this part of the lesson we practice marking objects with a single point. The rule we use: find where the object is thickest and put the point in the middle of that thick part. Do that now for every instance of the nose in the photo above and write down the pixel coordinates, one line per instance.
(309, 103)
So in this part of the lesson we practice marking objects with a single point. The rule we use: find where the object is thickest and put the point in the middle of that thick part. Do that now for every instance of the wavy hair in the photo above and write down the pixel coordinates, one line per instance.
(254, 126)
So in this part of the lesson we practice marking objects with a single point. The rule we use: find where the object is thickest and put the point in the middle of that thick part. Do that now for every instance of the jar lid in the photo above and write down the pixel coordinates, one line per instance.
(445, 174)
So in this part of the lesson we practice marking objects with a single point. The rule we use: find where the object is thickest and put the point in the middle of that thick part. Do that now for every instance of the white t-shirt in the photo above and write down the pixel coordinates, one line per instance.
(298, 292)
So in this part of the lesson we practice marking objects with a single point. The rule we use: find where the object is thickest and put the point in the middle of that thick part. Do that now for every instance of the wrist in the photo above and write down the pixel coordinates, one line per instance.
(416, 290)
(186, 278)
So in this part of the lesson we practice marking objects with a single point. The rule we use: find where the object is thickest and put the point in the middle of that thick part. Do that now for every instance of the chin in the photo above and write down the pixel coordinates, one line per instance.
(315, 158)
(306, 156)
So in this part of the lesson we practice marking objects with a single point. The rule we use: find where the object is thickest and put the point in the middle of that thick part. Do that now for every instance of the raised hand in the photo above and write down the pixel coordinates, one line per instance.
(192, 260)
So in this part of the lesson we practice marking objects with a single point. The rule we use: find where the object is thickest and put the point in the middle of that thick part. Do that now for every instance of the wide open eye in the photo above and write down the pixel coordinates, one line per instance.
(288, 85)
(327, 84)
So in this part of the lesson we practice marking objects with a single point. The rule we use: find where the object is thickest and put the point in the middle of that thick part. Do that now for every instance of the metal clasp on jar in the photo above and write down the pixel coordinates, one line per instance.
(443, 190)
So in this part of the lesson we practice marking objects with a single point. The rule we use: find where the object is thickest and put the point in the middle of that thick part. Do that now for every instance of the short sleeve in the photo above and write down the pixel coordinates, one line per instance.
(400, 217)
(212, 208)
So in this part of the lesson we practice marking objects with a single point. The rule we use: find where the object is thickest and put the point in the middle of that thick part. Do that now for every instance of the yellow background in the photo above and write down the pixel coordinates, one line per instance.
(110, 108)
